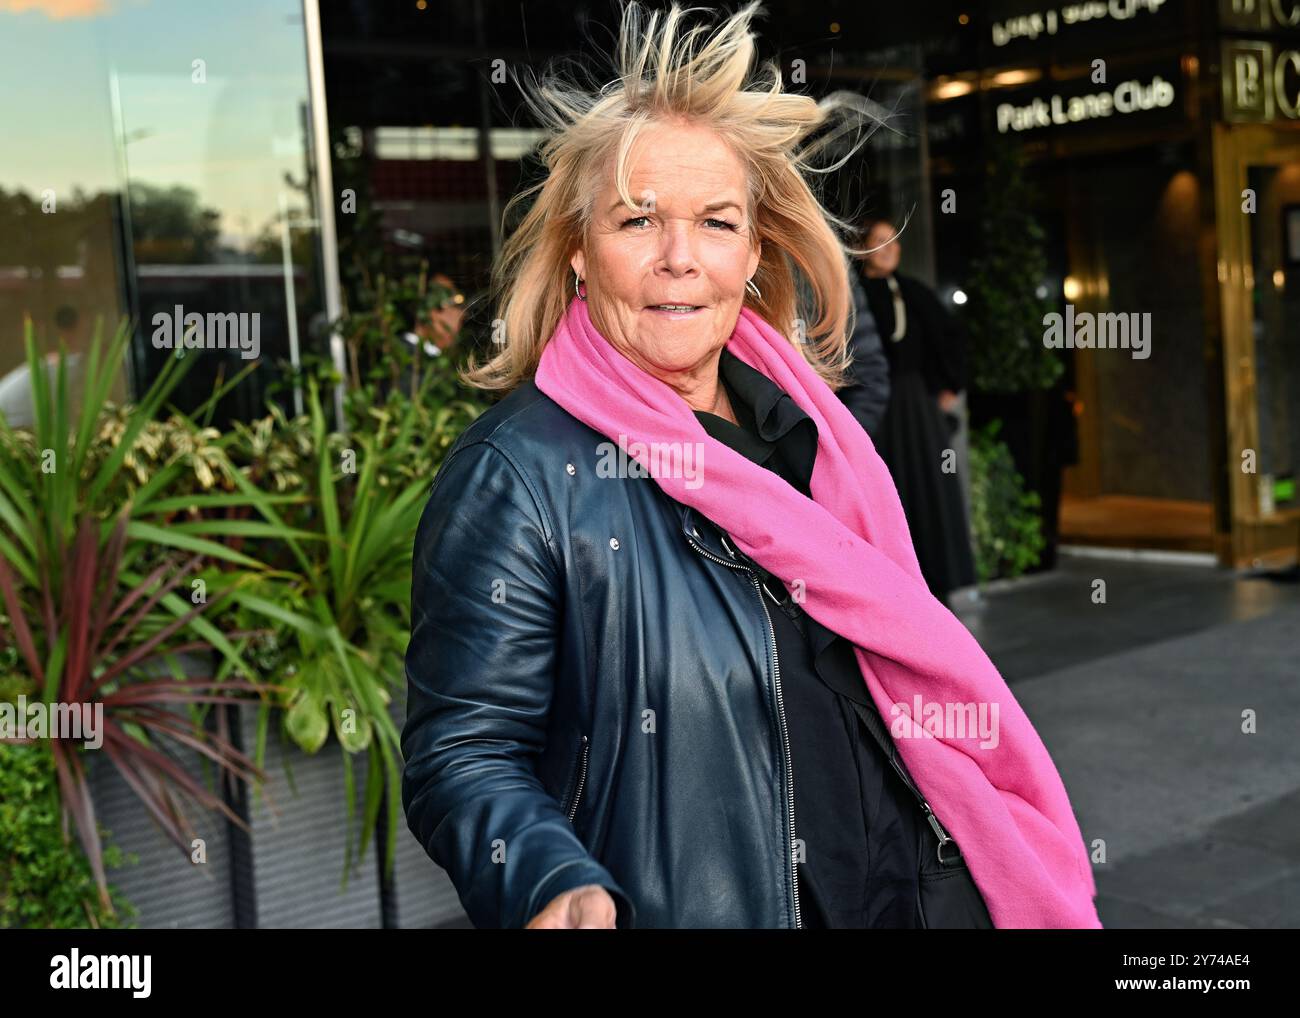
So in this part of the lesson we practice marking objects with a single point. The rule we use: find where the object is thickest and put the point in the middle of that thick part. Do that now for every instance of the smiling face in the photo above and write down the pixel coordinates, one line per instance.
(884, 261)
(690, 244)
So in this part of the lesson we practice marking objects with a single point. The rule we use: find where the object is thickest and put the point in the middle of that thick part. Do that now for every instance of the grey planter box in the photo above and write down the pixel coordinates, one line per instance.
(297, 850)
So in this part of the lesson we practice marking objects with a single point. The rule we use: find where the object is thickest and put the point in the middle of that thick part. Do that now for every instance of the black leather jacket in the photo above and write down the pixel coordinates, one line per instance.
(591, 691)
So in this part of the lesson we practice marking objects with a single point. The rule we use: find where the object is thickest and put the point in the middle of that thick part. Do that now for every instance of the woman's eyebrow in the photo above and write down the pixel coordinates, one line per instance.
(715, 206)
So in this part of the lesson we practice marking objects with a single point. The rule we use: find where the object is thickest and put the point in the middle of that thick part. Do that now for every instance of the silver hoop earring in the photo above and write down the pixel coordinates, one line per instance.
(752, 287)
(576, 281)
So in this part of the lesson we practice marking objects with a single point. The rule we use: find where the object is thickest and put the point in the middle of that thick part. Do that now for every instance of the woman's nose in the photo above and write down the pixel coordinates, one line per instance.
(678, 247)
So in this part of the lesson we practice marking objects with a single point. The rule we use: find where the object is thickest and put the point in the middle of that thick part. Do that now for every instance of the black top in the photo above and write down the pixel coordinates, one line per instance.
(855, 818)
(934, 342)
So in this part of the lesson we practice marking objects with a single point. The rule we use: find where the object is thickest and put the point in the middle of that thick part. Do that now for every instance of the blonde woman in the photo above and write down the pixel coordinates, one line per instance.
(672, 660)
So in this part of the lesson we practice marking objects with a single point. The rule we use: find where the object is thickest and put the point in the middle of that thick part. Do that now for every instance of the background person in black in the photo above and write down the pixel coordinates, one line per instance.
(926, 350)
(859, 825)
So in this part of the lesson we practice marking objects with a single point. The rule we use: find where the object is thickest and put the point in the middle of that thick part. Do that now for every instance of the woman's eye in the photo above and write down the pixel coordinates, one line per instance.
(636, 222)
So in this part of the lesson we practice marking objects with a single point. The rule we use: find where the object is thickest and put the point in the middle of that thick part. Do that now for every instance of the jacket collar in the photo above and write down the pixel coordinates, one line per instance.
(775, 411)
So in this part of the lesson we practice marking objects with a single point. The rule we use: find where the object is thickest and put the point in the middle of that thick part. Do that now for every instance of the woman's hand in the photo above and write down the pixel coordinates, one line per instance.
(948, 401)
(583, 908)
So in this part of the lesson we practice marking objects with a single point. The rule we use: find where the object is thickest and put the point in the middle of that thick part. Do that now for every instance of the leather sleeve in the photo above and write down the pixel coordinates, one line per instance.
(866, 393)
(480, 673)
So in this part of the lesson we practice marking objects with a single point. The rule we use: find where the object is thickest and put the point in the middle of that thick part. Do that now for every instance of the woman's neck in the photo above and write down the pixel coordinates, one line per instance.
(722, 406)
(703, 390)
(717, 403)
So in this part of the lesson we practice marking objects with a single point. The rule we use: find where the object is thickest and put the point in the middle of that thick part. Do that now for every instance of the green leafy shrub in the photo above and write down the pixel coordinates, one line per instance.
(1004, 312)
(339, 600)
(45, 879)
(1005, 526)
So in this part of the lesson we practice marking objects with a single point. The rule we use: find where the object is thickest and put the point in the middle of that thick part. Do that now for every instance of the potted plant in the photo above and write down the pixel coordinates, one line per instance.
(91, 567)
(1014, 375)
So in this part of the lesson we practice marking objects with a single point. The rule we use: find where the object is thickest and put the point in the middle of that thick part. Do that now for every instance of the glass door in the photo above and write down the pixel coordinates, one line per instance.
(1257, 170)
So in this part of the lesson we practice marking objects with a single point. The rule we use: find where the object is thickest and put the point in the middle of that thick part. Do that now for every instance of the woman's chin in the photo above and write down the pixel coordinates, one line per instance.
(675, 354)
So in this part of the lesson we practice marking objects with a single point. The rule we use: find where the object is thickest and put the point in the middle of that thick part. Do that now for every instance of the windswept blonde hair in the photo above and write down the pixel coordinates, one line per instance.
(666, 73)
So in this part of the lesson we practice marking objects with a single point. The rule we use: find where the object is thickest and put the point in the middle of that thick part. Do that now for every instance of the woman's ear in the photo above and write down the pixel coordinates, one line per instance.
(579, 263)
(755, 257)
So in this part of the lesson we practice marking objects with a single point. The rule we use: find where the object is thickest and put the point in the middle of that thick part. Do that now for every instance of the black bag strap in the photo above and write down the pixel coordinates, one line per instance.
(876, 726)
(871, 718)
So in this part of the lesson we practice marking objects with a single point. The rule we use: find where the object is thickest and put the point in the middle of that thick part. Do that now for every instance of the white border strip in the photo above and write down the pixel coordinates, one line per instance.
(1177, 558)
(329, 242)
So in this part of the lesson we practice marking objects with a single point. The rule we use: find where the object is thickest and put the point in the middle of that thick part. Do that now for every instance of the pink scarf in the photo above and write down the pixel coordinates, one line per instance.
(848, 554)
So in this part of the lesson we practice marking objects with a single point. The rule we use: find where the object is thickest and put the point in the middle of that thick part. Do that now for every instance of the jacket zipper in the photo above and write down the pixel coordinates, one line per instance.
(582, 779)
(780, 710)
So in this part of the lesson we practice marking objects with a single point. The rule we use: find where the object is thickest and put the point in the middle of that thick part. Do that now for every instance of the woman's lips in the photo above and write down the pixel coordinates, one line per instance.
(674, 312)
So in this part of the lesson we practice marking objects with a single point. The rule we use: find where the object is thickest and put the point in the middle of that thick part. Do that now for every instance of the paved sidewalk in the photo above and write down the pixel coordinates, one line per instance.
(1140, 701)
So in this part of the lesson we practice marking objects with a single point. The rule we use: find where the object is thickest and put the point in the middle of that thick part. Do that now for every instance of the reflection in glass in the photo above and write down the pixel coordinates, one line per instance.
(1275, 300)
(160, 166)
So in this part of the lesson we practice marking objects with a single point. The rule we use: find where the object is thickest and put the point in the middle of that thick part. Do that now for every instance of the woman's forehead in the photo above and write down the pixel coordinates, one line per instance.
(691, 147)
(680, 178)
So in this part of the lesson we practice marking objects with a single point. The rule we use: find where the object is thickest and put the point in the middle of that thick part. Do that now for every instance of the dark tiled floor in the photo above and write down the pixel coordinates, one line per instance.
(1040, 623)
(1245, 872)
